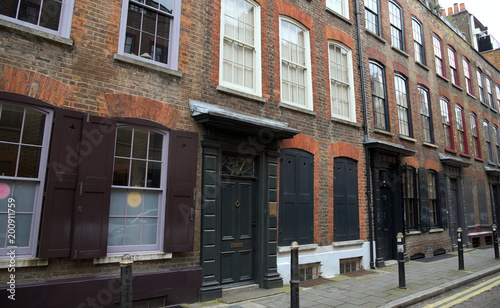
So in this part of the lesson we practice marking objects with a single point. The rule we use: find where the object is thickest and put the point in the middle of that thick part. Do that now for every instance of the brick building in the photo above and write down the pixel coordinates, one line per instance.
(203, 137)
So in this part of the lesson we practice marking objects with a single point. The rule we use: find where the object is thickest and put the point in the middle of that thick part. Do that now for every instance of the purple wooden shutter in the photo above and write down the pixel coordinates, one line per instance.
(92, 198)
(62, 177)
(76, 208)
(181, 183)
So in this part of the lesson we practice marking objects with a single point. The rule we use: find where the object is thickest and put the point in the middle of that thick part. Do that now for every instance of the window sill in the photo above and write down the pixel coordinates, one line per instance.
(457, 86)
(24, 262)
(436, 230)
(375, 35)
(150, 66)
(425, 67)
(479, 159)
(449, 150)
(494, 110)
(348, 243)
(135, 257)
(465, 155)
(471, 95)
(401, 52)
(383, 132)
(430, 145)
(442, 77)
(35, 32)
(407, 138)
(301, 247)
(413, 233)
(342, 17)
(492, 163)
(241, 94)
(346, 122)
(296, 108)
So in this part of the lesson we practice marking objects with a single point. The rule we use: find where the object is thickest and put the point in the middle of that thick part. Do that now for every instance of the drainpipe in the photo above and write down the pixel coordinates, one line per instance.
(365, 128)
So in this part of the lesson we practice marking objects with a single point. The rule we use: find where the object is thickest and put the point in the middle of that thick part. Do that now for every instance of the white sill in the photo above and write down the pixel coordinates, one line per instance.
(436, 230)
(24, 262)
(401, 52)
(241, 94)
(348, 243)
(340, 16)
(301, 247)
(375, 35)
(346, 122)
(147, 65)
(297, 108)
(35, 32)
(425, 67)
(407, 138)
(413, 233)
(430, 145)
(135, 257)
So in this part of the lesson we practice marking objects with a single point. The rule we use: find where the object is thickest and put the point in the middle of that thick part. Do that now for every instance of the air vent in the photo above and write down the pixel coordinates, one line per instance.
(350, 265)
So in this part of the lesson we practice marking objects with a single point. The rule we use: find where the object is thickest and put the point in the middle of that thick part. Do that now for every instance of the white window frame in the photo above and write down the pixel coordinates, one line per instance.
(173, 47)
(65, 19)
(352, 105)
(30, 250)
(257, 63)
(308, 78)
(158, 247)
(344, 11)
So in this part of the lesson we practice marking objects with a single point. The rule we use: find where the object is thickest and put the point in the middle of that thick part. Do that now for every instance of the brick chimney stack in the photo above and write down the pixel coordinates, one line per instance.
(450, 11)
(462, 7)
(455, 8)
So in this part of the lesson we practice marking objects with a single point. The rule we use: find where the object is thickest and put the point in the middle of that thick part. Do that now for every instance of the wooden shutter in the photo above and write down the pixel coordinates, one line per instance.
(92, 199)
(305, 211)
(443, 208)
(181, 184)
(425, 215)
(76, 208)
(62, 177)
(288, 198)
(346, 212)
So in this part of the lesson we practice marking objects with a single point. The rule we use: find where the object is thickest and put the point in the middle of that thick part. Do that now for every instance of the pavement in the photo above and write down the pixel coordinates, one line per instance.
(425, 278)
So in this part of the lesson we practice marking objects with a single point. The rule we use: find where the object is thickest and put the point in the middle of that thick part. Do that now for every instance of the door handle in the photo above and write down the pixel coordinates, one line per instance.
(192, 215)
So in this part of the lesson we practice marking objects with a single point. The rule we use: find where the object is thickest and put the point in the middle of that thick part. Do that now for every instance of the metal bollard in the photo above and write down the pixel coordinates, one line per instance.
(495, 241)
(401, 261)
(126, 281)
(294, 275)
(460, 250)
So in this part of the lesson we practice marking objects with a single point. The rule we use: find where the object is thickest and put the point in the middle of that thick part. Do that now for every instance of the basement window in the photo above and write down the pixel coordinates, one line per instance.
(350, 265)
(309, 271)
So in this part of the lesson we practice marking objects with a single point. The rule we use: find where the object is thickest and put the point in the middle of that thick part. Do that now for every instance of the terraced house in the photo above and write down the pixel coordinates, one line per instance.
(203, 137)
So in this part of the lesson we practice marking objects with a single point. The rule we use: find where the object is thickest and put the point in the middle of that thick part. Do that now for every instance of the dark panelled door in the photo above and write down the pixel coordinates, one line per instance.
(388, 236)
(454, 219)
(296, 213)
(237, 230)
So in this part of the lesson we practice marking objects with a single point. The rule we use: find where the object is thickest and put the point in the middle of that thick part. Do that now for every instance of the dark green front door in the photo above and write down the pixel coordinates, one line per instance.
(238, 230)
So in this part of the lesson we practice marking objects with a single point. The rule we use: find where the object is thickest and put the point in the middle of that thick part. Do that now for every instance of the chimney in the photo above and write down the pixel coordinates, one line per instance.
(450, 11)
(455, 8)
(443, 12)
(462, 7)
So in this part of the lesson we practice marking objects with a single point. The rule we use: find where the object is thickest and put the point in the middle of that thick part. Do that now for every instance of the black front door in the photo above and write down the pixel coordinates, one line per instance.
(237, 230)
(388, 237)
(454, 218)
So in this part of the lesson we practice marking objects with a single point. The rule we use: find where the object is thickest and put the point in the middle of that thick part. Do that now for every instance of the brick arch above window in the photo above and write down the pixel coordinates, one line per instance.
(342, 149)
(127, 105)
(302, 142)
(411, 161)
(424, 81)
(287, 9)
(445, 93)
(377, 56)
(35, 85)
(341, 36)
(403, 69)
(432, 165)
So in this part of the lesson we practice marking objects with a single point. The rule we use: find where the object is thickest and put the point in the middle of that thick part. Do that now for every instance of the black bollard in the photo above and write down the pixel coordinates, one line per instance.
(126, 281)
(460, 250)
(294, 275)
(401, 261)
(495, 241)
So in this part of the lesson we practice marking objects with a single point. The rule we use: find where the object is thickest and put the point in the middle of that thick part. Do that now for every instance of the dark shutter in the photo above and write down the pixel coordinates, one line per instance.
(288, 198)
(91, 213)
(181, 184)
(442, 199)
(346, 212)
(76, 208)
(305, 211)
(62, 177)
(425, 215)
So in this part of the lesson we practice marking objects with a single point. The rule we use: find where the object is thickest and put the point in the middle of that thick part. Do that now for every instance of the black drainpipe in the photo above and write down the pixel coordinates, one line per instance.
(365, 128)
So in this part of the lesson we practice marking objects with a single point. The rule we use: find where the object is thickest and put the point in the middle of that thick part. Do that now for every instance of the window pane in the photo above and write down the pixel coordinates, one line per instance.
(50, 14)
(34, 124)
(121, 172)
(123, 142)
(138, 173)
(155, 146)
(118, 202)
(140, 146)
(29, 162)
(11, 121)
(8, 155)
(154, 175)
(8, 7)
(116, 231)
(29, 11)
(149, 229)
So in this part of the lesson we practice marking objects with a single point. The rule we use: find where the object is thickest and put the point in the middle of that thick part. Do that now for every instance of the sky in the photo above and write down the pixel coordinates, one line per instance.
(486, 11)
